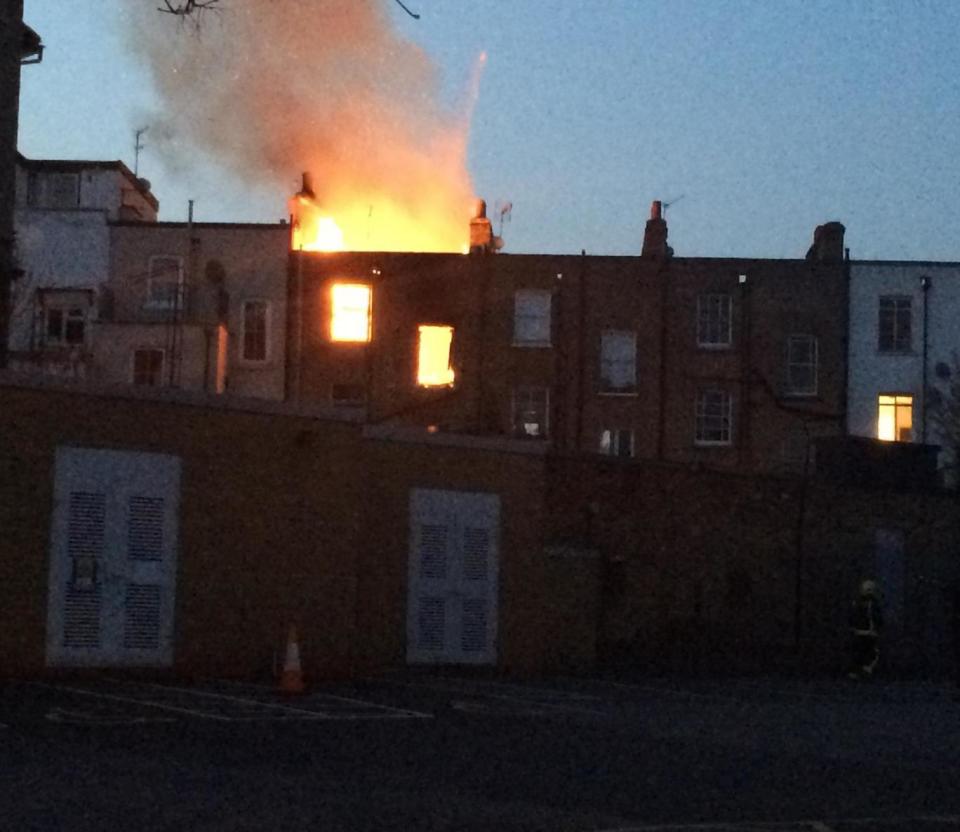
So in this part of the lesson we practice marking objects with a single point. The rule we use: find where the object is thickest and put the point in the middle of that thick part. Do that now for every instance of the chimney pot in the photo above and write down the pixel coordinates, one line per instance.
(656, 210)
(655, 234)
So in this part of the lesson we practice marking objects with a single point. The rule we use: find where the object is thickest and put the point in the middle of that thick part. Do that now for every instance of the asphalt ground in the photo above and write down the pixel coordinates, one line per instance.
(418, 751)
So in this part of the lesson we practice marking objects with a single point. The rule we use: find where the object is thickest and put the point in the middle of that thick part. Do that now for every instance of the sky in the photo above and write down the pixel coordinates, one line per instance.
(755, 121)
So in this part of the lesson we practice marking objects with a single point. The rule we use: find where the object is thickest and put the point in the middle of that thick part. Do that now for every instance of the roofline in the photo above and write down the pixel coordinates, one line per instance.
(78, 165)
(950, 263)
(183, 224)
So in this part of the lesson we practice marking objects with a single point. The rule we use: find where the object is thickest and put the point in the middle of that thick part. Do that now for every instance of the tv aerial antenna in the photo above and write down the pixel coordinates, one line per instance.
(503, 209)
(137, 147)
(666, 204)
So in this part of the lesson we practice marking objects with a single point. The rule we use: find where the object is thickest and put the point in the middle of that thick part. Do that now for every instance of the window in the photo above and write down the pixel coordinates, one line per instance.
(618, 361)
(530, 412)
(255, 316)
(148, 367)
(53, 190)
(350, 318)
(64, 325)
(531, 318)
(801, 365)
(617, 442)
(714, 417)
(433, 356)
(714, 328)
(165, 283)
(895, 418)
(894, 324)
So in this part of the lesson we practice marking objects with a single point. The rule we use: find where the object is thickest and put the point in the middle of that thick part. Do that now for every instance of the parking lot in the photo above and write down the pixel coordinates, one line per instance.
(430, 751)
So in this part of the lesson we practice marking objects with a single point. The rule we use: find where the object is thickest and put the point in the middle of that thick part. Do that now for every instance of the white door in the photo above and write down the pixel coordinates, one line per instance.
(113, 544)
(452, 577)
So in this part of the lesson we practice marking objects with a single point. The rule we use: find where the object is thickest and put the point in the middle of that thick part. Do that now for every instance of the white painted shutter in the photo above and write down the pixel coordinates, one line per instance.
(86, 520)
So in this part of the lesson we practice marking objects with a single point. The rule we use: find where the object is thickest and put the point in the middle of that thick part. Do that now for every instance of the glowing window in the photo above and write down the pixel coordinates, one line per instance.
(433, 362)
(350, 320)
(895, 418)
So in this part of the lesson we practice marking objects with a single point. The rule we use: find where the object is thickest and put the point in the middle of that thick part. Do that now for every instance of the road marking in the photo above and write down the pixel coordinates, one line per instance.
(302, 712)
(528, 701)
(82, 718)
(365, 703)
(785, 825)
(150, 704)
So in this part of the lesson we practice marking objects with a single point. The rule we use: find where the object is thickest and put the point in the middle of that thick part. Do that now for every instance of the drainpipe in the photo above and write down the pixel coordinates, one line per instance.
(664, 276)
(746, 334)
(845, 392)
(925, 286)
(581, 347)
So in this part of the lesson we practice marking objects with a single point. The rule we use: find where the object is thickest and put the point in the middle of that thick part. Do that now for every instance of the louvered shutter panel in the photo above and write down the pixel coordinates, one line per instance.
(145, 532)
(431, 623)
(473, 633)
(86, 522)
(141, 629)
(433, 551)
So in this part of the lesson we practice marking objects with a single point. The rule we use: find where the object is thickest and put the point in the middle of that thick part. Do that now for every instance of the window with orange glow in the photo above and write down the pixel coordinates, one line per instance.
(433, 361)
(895, 418)
(350, 318)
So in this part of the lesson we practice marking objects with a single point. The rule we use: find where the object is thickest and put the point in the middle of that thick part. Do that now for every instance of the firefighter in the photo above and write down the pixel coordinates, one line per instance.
(866, 622)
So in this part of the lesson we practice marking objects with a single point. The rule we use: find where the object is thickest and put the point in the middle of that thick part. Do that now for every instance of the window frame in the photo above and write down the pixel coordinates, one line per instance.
(266, 306)
(611, 443)
(421, 344)
(176, 297)
(518, 427)
(813, 365)
(725, 416)
(160, 370)
(894, 347)
(368, 312)
(705, 322)
(69, 313)
(897, 406)
(610, 336)
(542, 321)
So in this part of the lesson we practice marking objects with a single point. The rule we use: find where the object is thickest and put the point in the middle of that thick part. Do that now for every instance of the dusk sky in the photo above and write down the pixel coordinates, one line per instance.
(767, 118)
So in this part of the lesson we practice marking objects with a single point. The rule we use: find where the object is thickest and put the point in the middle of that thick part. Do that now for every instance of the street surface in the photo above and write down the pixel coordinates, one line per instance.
(444, 752)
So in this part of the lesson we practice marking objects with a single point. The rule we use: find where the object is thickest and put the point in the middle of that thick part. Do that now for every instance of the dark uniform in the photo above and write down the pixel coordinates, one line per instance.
(866, 622)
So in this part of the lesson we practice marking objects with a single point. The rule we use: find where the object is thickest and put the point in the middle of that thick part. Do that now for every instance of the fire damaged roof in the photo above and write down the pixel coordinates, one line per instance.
(79, 165)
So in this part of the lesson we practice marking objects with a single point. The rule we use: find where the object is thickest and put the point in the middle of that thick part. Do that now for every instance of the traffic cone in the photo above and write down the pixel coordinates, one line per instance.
(291, 678)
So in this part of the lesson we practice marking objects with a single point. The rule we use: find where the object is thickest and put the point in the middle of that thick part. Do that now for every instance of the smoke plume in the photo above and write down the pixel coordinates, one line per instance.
(270, 88)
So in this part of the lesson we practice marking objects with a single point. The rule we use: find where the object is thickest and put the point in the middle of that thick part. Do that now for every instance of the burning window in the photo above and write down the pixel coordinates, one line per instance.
(433, 359)
(350, 318)
(895, 418)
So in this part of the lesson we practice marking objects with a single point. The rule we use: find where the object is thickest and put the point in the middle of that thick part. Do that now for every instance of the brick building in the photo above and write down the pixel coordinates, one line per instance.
(729, 363)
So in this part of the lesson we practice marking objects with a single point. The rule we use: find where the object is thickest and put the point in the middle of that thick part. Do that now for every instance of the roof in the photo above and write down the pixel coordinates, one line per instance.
(30, 44)
(79, 165)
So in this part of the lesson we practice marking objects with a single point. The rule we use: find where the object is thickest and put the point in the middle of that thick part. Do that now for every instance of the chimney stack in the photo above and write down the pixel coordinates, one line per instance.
(827, 243)
(655, 235)
(481, 231)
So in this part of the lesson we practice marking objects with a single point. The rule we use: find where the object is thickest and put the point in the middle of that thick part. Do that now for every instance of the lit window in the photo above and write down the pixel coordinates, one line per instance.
(530, 412)
(801, 365)
(350, 320)
(618, 361)
(895, 324)
(895, 418)
(255, 330)
(531, 318)
(148, 367)
(165, 283)
(433, 361)
(714, 321)
(617, 442)
(714, 418)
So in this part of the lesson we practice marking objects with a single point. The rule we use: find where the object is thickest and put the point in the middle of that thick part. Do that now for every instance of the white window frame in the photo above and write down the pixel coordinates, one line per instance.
(169, 300)
(617, 442)
(133, 365)
(706, 399)
(811, 365)
(715, 321)
(897, 302)
(267, 308)
(525, 396)
(532, 317)
(611, 361)
(70, 311)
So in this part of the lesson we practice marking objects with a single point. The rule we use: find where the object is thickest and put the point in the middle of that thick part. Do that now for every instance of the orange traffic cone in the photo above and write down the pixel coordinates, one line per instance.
(291, 678)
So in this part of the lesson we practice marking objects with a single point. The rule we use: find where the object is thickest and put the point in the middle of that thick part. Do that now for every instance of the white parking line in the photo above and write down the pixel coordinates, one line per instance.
(526, 701)
(84, 718)
(150, 704)
(316, 697)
